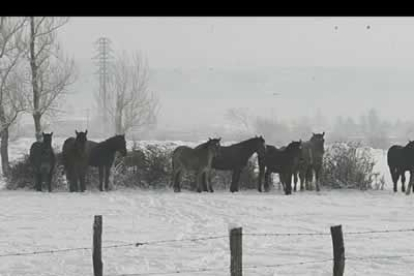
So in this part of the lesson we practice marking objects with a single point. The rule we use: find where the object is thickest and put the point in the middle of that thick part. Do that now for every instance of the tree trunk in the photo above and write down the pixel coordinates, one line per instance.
(4, 147)
(36, 96)
(38, 127)
(118, 120)
(4, 151)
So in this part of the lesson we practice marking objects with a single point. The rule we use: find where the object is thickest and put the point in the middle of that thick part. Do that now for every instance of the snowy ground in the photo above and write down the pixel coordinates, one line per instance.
(32, 221)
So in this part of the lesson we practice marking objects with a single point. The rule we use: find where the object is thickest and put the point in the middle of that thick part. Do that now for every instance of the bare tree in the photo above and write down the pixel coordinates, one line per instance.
(131, 104)
(50, 71)
(11, 96)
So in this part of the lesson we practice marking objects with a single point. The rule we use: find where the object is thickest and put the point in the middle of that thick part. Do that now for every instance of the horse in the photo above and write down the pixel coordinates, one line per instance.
(400, 159)
(282, 161)
(198, 159)
(135, 158)
(235, 157)
(311, 161)
(102, 155)
(75, 161)
(43, 160)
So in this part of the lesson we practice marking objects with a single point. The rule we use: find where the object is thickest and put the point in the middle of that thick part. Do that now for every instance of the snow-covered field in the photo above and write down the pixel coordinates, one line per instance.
(31, 221)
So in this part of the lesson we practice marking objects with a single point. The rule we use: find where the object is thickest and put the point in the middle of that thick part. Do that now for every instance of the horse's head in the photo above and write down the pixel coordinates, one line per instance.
(295, 148)
(214, 146)
(318, 141)
(260, 145)
(120, 144)
(47, 139)
(410, 145)
(80, 140)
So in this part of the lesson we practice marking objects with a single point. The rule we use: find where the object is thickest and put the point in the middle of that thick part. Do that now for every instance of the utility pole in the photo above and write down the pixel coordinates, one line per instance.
(103, 60)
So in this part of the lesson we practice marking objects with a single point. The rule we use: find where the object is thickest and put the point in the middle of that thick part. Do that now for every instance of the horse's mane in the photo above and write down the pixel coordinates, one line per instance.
(242, 143)
(202, 146)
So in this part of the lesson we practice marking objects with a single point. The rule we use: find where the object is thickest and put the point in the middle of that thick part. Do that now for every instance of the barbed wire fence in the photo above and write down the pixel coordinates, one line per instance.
(235, 235)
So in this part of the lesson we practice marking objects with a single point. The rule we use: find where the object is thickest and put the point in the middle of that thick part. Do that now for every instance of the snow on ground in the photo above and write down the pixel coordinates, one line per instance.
(41, 221)
(32, 221)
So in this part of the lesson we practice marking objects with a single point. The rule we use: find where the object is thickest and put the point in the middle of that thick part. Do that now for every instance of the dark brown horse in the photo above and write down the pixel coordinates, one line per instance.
(400, 159)
(235, 157)
(198, 160)
(75, 161)
(311, 161)
(42, 159)
(282, 161)
(102, 155)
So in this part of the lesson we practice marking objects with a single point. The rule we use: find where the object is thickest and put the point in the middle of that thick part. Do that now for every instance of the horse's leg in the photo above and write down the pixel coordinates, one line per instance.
(309, 178)
(72, 181)
(282, 180)
(101, 170)
(259, 184)
(262, 169)
(410, 184)
(107, 174)
(403, 181)
(288, 180)
(317, 174)
(395, 174)
(234, 180)
(295, 179)
(210, 185)
(177, 178)
(302, 179)
(49, 180)
(38, 184)
(199, 181)
(82, 179)
(205, 180)
(266, 183)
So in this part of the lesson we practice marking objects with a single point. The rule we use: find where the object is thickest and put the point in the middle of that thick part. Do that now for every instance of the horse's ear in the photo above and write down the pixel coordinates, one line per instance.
(323, 133)
(86, 132)
(76, 132)
(51, 133)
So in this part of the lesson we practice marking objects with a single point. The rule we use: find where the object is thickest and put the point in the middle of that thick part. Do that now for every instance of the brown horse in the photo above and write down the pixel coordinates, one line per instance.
(75, 161)
(311, 161)
(102, 155)
(198, 160)
(42, 159)
(282, 161)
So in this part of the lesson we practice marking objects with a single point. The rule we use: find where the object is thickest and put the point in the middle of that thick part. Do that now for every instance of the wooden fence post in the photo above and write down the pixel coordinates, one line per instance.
(97, 246)
(236, 251)
(338, 250)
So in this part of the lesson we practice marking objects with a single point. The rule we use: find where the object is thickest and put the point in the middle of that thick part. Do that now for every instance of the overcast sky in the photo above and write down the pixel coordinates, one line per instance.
(250, 41)
(247, 43)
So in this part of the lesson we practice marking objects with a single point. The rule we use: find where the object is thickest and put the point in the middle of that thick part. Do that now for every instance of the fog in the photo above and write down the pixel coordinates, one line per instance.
(279, 67)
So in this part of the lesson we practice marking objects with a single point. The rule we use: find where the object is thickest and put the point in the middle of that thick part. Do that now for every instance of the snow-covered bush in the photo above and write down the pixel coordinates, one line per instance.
(348, 165)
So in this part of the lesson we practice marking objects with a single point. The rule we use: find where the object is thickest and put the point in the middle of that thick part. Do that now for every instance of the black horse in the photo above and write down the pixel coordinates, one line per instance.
(75, 161)
(235, 157)
(102, 155)
(400, 159)
(282, 161)
(42, 159)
